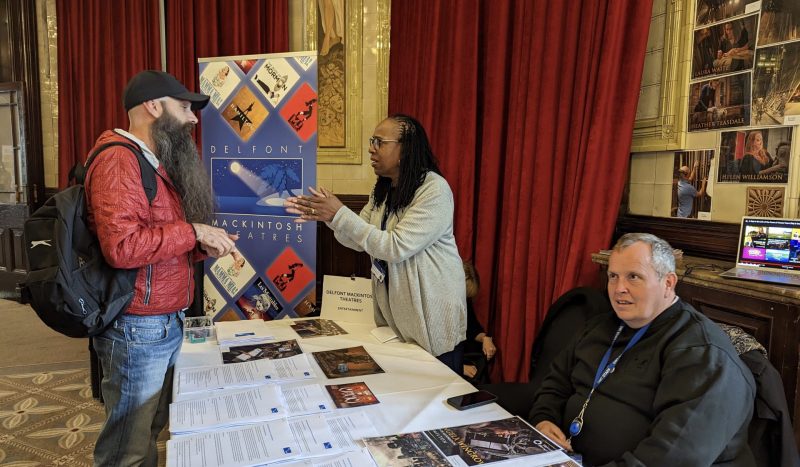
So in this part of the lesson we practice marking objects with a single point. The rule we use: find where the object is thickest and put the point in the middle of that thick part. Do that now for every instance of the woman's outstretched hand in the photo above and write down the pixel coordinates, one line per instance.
(320, 205)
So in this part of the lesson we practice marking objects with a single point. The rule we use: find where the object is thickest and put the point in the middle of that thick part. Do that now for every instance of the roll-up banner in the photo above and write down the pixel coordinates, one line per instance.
(259, 145)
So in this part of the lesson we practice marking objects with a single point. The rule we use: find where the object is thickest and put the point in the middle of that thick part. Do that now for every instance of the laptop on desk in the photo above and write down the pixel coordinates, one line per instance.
(768, 251)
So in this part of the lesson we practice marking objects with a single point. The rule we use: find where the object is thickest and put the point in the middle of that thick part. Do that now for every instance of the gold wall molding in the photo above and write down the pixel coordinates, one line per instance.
(47, 36)
(348, 148)
(667, 130)
(383, 46)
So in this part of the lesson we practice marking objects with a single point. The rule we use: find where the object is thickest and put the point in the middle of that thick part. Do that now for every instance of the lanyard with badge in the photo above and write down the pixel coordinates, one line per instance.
(380, 269)
(603, 371)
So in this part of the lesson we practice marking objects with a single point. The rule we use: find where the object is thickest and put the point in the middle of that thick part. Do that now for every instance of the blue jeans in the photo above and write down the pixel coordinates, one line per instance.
(138, 354)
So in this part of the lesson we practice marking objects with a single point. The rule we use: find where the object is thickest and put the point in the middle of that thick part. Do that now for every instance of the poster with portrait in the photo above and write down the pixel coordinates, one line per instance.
(712, 11)
(776, 85)
(692, 171)
(758, 155)
(218, 82)
(720, 103)
(257, 155)
(780, 21)
(725, 47)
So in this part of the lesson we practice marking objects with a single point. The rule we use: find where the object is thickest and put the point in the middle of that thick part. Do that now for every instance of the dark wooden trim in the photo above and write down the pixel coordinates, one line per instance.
(717, 240)
(49, 192)
(355, 202)
(25, 68)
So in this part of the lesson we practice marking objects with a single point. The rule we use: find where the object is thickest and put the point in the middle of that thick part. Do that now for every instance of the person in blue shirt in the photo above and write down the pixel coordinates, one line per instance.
(686, 190)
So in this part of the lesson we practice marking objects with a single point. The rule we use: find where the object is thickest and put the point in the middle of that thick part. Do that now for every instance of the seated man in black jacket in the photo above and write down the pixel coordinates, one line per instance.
(655, 383)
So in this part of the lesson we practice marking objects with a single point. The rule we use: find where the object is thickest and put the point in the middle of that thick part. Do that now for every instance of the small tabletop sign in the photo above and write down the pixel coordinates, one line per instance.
(347, 299)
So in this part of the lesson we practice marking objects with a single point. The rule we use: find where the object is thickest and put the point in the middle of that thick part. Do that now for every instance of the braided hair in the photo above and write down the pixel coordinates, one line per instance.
(416, 160)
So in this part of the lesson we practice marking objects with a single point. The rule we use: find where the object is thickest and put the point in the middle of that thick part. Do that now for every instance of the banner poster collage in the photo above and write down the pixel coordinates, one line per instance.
(259, 142)
(745, 82)
(745, 64)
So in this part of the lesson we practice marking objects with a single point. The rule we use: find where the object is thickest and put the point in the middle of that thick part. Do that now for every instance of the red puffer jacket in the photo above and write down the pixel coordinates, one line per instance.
(156, 238)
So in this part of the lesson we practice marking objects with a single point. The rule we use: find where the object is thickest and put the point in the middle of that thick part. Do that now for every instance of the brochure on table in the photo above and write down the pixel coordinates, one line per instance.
(498, 441)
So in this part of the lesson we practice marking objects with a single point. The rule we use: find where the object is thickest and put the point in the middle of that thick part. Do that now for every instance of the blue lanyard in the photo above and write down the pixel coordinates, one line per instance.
(603, 370)
(606, 368)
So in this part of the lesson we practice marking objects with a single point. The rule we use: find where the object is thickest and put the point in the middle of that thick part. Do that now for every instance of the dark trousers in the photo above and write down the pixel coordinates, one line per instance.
(454, 359)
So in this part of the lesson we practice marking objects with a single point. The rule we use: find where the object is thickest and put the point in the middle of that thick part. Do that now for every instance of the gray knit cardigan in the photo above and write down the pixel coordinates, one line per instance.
(425, 300)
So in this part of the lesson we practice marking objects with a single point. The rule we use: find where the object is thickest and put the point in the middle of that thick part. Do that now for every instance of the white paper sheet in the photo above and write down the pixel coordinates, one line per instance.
(239, 375)
(349, 427)
(234, 447)
(383, 334)
(347, 459)
(306, 400)
(313, 435)
(227, 409)
(248, 331)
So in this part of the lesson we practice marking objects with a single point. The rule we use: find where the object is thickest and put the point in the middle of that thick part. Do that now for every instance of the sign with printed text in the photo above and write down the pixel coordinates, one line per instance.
(348, 299)
(259, 147)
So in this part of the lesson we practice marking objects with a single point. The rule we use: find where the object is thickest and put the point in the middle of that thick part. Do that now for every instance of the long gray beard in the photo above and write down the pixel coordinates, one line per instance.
(175, 149)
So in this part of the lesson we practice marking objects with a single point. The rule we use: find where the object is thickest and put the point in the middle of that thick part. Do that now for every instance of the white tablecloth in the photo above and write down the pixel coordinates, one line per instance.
(412, 391)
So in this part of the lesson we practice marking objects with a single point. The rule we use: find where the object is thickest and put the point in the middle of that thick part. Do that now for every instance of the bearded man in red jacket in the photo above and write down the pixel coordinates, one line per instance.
(162, 239)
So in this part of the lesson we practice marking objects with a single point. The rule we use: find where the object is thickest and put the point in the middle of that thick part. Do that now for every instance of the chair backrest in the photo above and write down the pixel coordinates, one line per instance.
(565, 322)
(770, 435)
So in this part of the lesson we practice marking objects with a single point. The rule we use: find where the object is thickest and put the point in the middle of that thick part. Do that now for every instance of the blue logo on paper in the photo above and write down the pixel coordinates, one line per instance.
(322, 406)
(305, 373)
(268, 377)
(327, 445)
(287, 450)
(274, 410)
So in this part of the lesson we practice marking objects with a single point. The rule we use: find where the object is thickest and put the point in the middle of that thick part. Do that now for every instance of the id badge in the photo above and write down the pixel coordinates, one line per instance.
(378, 270)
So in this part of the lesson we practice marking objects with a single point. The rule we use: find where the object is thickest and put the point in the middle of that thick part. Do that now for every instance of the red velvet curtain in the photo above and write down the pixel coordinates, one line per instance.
(530, 106)
(101, 44)
(214, 28)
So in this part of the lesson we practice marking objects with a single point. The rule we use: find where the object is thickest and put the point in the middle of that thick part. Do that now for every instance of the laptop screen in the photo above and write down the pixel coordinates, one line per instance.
(770, 243)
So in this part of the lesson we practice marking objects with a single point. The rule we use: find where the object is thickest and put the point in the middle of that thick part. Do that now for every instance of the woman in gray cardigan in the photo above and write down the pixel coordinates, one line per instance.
(407, 229)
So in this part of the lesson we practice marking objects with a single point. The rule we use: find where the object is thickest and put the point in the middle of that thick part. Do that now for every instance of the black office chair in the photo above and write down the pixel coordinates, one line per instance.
(770, 435)
(565, 322)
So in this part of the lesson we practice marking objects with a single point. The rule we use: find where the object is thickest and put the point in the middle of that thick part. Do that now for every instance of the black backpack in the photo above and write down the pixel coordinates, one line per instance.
(69, 284)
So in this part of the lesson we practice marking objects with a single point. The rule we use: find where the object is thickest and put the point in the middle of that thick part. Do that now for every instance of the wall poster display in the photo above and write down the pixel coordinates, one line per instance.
(776, 85)
(780, 21)
(691, 173)
(757, 155)
(720, 103)
(724, 47)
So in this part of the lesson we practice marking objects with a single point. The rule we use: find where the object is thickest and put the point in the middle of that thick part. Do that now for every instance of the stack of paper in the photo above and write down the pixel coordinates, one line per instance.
(261, 443)
(305, 400)
(249, 445)
(227, 409)
(243, 332)
(241, 375)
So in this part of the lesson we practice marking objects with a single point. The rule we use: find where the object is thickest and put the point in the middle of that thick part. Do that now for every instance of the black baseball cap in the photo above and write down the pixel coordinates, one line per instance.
(153, 84)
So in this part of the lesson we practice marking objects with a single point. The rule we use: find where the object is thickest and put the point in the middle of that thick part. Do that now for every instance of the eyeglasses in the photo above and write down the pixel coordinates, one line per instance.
(376, 142)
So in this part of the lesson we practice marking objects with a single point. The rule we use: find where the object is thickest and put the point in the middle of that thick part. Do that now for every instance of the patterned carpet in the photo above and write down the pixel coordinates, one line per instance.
(49, 418)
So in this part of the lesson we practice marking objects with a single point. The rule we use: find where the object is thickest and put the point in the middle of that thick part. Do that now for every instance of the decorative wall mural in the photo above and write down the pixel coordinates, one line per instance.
(765, 201)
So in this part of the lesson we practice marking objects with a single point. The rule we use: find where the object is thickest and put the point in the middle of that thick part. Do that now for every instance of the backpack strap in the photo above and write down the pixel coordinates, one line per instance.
(148, 172)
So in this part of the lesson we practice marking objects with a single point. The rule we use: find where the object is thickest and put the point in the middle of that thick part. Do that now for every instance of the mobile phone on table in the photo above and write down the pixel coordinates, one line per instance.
(471, 400)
